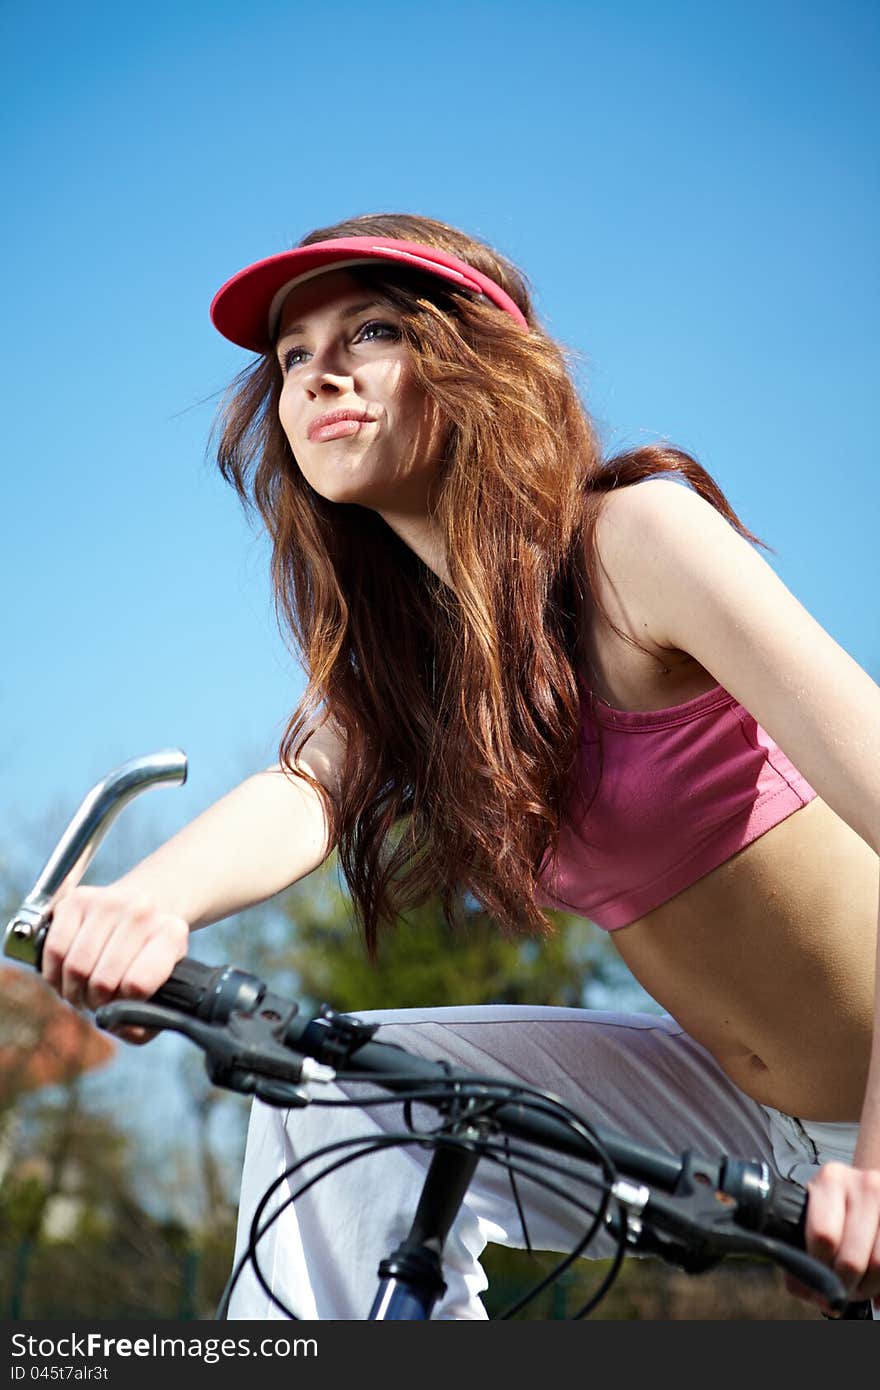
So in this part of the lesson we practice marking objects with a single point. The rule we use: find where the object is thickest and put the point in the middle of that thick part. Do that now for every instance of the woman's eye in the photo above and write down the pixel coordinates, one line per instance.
(377, 324)
(365, 333)
(289, 358)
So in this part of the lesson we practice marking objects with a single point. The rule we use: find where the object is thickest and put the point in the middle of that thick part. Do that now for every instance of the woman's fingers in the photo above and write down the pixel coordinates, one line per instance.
(108, 943)
(73, 943)
(843, 1225)
(155, 960)
(138, 954)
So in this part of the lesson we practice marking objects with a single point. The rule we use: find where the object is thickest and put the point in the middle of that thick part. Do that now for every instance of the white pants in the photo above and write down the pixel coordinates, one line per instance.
(638, 1074)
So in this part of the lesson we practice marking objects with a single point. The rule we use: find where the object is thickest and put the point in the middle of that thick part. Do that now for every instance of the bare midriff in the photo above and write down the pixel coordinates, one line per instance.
(768, 961)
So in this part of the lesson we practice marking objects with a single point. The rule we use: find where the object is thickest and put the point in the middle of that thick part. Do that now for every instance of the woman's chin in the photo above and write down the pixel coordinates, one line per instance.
(359, 488)
(347, 494)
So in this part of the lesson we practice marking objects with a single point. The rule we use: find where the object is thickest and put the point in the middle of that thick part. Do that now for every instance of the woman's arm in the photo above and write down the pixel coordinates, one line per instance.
(700, 587)
(265, 834)
(125, 939)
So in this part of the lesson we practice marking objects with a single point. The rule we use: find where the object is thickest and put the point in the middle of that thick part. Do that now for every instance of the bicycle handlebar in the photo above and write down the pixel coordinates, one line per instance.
(714, 1206)
(67, 863)
(214, 993)
(249, 1035)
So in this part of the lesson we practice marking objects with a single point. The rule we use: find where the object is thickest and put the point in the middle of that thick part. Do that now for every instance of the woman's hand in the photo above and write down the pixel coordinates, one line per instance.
(109, 943)
(843, 1230)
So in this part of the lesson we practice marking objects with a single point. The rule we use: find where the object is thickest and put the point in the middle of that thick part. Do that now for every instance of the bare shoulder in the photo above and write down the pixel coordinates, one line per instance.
(625, 659)
(624, 509)
(637, 529)
(621, 531)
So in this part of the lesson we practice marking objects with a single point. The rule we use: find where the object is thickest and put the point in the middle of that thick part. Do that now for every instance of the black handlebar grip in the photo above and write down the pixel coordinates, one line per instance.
(205, 991)
(209, 992)
(786, 1212)
(190, 987)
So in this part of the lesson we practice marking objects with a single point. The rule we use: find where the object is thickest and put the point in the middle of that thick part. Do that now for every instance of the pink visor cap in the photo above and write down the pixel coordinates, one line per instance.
(247, 308)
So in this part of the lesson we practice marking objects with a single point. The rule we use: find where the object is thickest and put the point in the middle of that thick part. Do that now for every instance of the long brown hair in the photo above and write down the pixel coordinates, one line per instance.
(459, 703)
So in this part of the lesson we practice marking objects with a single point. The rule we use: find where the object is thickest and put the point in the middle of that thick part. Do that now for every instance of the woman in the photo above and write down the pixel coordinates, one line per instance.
(561, 689)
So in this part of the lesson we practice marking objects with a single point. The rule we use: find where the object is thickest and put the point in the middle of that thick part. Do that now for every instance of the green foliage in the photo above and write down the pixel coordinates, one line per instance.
(21, 1203)
(739, 1289)
(109, 1255)
(424, 962)
(101, 1276)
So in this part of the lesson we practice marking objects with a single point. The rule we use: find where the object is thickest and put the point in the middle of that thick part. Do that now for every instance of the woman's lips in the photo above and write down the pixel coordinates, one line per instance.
(337, 429)
(336, 424)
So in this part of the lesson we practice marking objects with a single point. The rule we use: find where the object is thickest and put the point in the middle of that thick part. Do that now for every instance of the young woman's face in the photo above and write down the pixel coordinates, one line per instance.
(340, 350)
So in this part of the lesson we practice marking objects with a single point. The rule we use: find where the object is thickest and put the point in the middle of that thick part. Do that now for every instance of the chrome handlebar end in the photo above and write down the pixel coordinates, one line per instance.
(73, 853)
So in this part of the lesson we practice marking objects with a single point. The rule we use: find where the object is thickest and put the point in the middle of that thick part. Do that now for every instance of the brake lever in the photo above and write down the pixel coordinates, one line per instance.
(704, 1222)
(243, 1054)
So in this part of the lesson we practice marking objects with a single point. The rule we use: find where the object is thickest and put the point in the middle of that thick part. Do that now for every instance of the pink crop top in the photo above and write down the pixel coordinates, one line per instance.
(682, 790)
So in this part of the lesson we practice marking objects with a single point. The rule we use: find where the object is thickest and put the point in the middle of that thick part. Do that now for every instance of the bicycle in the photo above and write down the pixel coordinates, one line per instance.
(689, 1209)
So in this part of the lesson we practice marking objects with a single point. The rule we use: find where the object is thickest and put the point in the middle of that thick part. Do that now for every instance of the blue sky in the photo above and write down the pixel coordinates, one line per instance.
(691, 189)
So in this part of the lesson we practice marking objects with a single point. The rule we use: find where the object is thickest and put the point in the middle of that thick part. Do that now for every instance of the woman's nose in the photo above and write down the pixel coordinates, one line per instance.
(327, 374)
(329, 384)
